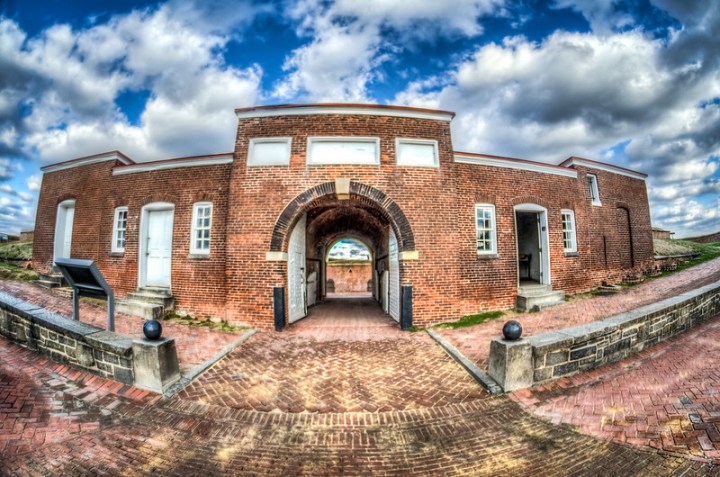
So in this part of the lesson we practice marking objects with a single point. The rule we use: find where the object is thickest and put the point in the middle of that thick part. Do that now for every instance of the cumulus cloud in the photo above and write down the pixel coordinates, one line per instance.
(589, 94)
(603, 15)
(60, 88)
(24, 196)
(351, 40)
(33, 182)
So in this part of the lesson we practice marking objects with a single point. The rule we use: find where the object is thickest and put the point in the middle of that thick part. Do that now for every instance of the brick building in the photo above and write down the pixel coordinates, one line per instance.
(239, 235)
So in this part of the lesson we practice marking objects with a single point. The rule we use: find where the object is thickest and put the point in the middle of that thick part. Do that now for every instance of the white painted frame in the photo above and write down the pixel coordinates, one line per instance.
(594, 189)
(543, 236)
(252, 160)
(60, 226)
(142, 245)
(573, 230)
(193, 229)
(493, 233)
(343, 140)
(399, 142)
(116, 219)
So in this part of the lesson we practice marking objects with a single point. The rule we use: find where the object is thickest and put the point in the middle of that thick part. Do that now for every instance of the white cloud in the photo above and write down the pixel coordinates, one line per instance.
(33, 182)
(350, 41)
(78, 76)
(603, 15)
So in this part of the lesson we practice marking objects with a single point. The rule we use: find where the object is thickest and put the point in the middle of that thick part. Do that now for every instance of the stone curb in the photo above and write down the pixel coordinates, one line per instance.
(202, 367)
(479, 376)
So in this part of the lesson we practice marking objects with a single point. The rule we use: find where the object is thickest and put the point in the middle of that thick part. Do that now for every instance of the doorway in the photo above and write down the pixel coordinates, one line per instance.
(156, 231)
(533, 257)
(63, 229)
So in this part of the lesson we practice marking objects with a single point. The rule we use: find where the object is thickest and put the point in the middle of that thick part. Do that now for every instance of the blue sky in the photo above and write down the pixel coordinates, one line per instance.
(636, 83)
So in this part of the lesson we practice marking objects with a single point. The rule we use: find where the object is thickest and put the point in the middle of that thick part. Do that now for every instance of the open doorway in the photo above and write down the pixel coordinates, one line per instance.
(533, 258)
(349, 269)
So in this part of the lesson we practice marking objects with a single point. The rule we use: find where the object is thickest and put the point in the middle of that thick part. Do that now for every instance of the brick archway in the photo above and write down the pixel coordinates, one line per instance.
(359, 192)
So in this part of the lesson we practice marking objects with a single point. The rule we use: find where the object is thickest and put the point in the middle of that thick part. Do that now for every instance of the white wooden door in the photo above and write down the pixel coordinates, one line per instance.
(297, 307)
(312, 289)
(394, 278)
(67, 239)
(385, 298)
(63, 229)
(159, 248)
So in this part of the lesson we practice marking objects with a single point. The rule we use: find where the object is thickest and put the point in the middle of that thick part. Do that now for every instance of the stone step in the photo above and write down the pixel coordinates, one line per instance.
(536, 301)
(144, 310)
(46, 283)
(160, 291)
(534, 290)
(166, 301)
(51, 280)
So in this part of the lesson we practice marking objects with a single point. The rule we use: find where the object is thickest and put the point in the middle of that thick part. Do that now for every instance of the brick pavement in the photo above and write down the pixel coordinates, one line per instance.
(439, 422)
(194, 345)
(474, 341)
(317, 366)
(666, 397)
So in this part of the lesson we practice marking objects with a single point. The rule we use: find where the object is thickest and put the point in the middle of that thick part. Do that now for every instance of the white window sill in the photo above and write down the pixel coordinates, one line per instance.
(199, 256)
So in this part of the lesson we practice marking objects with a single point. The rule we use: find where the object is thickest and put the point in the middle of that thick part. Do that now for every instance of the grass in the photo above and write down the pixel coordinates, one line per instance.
(704, 251)
(16, 250)
(465, 321)
(189, 320)
(9, 271)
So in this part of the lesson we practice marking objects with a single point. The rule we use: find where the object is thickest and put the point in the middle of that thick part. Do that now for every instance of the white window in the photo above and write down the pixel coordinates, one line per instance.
(485, 228)
(416, 152)
(269, 151)
(201, 223)
(568, 228)
(594, 191)
(343, 150)
(119, 229)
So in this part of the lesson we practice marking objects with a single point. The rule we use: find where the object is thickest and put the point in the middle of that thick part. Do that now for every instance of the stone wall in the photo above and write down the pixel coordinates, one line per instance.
(350, 277)
(547, 356)
(66, 341)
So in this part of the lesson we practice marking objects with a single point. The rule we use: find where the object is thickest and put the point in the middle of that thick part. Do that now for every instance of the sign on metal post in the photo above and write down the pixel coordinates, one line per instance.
(86, 280)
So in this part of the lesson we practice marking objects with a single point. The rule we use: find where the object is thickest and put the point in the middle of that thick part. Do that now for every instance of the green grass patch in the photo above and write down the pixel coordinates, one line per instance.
(704, 251)
(8, 271)
(471, 320)
(16, 250)
(189, 320)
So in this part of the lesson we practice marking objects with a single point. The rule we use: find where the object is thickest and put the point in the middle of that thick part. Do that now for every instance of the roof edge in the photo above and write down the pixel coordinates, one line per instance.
(174, 163)
(512, 163)
(85, 160)
(343, 108)
(581, 161)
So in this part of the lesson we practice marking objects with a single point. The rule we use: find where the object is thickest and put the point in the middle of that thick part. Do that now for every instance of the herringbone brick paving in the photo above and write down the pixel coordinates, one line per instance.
(474, 341)
(666, 397)
(180, 437)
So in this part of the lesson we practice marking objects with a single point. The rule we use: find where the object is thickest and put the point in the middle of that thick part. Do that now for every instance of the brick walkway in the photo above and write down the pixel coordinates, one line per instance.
(327, 366)
(474, 341)
(667, 397)
(194, 345)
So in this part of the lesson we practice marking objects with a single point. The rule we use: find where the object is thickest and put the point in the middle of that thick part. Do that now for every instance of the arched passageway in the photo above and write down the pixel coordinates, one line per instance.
(325, 220)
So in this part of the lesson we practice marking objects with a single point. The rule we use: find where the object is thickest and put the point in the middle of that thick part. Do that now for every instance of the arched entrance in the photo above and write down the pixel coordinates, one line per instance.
(317, 218)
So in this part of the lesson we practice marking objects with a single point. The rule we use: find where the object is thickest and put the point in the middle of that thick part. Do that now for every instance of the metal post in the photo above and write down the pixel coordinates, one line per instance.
(279, 307)
(406, 311)
(111, 311)
(76, 304)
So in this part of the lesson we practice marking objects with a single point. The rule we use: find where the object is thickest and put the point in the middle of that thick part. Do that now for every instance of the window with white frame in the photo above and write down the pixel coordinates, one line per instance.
(119, 229)
(485, 228)
(568, 228)
(417, 152)
(201, 224)
(594, 190)
(343, 150)
(269, 151)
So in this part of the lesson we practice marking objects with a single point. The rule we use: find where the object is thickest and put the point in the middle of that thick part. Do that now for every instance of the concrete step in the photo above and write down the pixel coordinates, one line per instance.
(161, 291)
(46, 283)
(166, 301)
(536, 300)
(144, 310)
(51, 280)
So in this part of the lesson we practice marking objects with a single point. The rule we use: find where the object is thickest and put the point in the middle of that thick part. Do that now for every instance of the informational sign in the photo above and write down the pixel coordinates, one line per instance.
(86, 280)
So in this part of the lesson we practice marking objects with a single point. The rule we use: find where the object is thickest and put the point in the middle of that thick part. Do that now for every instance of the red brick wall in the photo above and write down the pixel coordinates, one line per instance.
(350, 277)
(449, 279)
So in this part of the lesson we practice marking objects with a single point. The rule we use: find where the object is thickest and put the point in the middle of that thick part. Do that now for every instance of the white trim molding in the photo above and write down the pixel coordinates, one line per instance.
(575, 161)
(515, 164)
(276, 256)
(174, 164)
(312, 140)
(84, 161)
(114, 247)
(345, 109)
